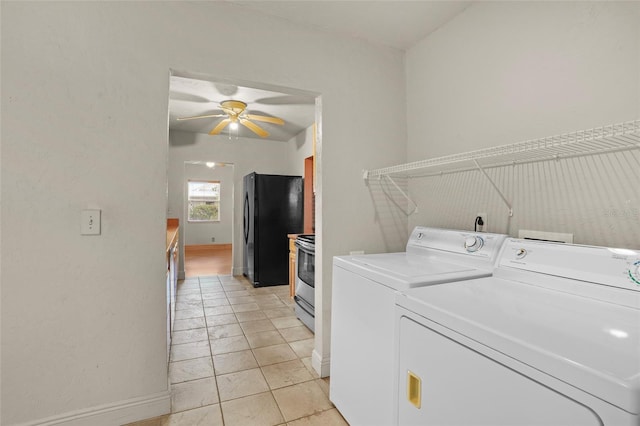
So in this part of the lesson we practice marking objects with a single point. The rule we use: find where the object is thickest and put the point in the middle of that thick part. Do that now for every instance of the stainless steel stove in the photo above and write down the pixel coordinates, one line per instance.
(305, 280)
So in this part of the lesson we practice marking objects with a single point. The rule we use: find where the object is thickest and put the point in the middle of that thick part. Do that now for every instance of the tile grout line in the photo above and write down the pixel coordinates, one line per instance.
(206, 326)
(262, 371)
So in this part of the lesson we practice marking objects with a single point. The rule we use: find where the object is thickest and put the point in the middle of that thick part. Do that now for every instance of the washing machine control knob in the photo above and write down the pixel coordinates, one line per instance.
(474, 243)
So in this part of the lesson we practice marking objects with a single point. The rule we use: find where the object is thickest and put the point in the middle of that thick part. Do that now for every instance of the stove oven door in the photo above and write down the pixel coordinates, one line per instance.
(305, 286)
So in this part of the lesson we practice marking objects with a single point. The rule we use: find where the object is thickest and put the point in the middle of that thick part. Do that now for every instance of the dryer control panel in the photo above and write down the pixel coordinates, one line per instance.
(601, 265)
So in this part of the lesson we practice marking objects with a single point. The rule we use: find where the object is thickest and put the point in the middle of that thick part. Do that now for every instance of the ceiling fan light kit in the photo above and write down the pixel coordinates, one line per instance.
(235, 112)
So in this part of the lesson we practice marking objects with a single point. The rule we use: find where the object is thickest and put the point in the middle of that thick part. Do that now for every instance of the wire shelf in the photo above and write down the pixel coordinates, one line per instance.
(600, 140)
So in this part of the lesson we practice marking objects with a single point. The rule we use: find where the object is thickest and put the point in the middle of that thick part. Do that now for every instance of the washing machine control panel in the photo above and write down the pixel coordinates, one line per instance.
(481, 246)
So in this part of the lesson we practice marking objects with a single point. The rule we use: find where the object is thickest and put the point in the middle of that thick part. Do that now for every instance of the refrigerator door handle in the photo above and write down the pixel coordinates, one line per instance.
(246, 218)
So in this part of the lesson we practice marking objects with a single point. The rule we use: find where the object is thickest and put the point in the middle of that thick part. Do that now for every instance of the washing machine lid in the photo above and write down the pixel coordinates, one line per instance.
(401, 271)
(591, 344)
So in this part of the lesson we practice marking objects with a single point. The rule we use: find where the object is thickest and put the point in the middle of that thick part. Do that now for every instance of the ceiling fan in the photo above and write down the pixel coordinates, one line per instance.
(235, 113)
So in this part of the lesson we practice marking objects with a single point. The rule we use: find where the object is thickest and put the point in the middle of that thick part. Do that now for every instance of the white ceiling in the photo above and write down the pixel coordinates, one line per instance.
(399, 24)
(191, 95)
(396, 24)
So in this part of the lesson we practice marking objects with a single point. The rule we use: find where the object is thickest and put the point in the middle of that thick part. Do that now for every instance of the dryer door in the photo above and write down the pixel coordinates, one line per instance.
(442, 382)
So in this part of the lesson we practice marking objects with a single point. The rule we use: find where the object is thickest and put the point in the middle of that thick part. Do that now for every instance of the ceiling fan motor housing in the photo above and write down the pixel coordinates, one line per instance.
(233, 108)
(235, 111)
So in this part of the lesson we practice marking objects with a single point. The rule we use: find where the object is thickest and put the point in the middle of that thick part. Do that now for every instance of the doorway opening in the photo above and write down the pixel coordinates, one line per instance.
(279, 128)
(209, 212)
(280, 133)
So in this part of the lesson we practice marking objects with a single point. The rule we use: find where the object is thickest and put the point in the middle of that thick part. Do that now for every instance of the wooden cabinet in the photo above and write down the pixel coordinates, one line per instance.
(309, 197)
(292, 264)
(310, 190)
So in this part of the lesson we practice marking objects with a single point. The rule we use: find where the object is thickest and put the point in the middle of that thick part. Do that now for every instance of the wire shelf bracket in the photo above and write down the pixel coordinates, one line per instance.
(504, 199)
(404, 194)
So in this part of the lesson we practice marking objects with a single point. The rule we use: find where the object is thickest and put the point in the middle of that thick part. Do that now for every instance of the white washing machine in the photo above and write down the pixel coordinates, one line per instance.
(552, 338)
(362, 311)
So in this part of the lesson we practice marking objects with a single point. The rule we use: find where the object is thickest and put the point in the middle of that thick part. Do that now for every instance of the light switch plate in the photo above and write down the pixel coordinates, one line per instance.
(90, 222)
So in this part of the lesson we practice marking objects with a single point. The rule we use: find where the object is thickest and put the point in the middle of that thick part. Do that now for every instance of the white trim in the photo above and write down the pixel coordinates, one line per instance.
(117, 413)
(321, 365)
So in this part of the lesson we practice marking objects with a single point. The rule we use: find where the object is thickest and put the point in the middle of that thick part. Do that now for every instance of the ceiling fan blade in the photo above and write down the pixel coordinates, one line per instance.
(273, 120)
(201, 116)
(221, 125)
(254, 128)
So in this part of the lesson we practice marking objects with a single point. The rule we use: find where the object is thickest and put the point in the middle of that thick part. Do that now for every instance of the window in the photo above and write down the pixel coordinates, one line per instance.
(204, 201)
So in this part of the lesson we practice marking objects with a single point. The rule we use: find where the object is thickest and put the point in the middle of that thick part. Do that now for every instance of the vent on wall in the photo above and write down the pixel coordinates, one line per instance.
(558, 237)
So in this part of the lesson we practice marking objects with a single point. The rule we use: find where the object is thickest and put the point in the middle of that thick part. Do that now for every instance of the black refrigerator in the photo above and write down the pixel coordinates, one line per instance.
(273, 206)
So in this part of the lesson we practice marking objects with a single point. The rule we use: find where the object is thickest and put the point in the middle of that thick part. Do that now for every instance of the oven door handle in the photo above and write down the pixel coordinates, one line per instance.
(305, 247)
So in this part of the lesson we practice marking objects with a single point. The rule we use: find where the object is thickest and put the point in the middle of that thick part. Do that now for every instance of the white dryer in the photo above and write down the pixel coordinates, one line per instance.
(362, 311)
(552, 338)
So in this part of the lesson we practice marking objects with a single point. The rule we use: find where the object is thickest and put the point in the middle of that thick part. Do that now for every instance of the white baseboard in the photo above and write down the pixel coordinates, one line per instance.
(118, 413)
(237, 271)
(322, 366)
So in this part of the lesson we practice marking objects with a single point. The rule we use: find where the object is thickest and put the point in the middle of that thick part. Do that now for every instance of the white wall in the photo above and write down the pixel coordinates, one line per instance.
(84, 124)
(504, 72)
(203, 232)
(300, 147)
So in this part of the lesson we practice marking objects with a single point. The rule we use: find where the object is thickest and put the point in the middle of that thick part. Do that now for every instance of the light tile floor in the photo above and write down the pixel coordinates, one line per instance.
(239, 356)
